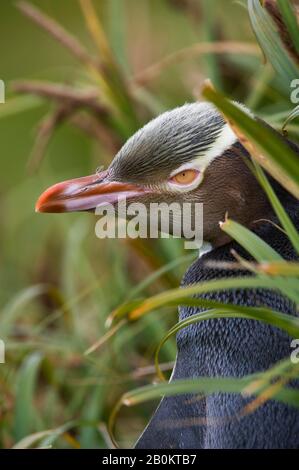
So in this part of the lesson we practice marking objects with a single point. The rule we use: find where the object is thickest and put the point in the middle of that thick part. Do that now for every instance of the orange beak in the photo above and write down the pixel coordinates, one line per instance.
(85, 194)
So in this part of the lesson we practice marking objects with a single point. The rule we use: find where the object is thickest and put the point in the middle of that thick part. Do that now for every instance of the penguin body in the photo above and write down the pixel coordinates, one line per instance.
(232, 347)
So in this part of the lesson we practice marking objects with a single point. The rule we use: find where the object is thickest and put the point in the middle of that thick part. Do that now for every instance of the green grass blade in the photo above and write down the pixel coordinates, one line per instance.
(144, 284)
(280, 268)
(209, 385)
(277, 319)
(49, 439)
(158, 273)
(43, 439)
(290, 20)
(271, 43)
(178, 296)
(264, 144)
(117, 29)
(179, 387)
(29, 441)
(266, 385)
(252, 243)
(282, 215)
(260, 250)
(89, 436)
(25, 386)
(15, 307)
(291, 116)
(208, 27)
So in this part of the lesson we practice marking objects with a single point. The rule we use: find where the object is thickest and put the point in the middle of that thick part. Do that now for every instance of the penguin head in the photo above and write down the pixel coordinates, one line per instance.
(187, 155)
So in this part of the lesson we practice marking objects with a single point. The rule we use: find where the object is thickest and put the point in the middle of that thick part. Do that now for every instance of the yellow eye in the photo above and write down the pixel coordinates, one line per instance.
(185, 177)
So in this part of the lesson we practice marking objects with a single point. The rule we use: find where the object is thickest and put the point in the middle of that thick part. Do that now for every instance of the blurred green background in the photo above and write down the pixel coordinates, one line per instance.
(58, 281)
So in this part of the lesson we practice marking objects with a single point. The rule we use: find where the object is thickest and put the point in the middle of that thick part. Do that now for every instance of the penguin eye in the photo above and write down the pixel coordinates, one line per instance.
(185, 177)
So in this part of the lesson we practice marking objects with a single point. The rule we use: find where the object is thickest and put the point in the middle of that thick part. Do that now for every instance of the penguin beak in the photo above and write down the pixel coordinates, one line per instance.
(85, 194)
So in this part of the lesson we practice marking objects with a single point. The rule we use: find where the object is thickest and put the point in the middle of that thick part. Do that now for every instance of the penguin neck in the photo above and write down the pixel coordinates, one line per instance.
(204, 248)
